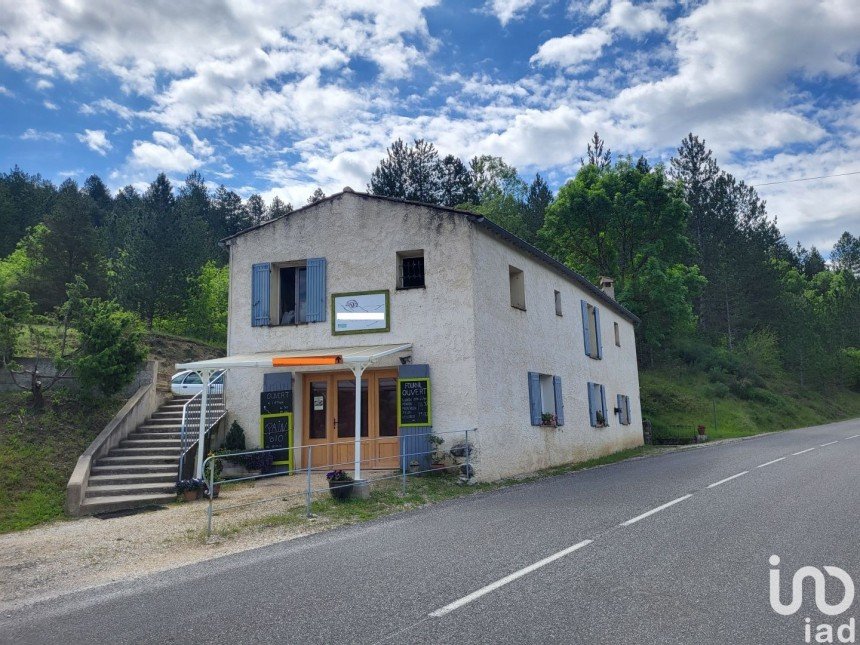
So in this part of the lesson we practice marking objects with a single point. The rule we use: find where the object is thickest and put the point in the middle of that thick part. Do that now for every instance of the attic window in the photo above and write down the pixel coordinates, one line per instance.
(410, 269)
(518, 288)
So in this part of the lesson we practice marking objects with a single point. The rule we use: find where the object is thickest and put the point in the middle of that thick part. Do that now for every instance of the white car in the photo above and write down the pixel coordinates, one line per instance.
(188, 383)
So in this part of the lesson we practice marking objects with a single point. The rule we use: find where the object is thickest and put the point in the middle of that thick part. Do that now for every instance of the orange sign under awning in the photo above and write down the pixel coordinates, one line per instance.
(297, 361)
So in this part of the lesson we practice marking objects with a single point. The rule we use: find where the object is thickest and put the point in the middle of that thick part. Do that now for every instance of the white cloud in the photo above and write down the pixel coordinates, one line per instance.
(507, 10)
(44, 84)
(164, 153)
(96, 140)
(570, 51)
(4, 91)
(634, 20)
(50, 105)
(31, 134)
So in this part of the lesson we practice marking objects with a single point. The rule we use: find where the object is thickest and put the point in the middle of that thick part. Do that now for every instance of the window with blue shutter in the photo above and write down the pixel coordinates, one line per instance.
(316, 294)
(559, 402)
(260, 295)
(586, 331)
(534, 398)
(597, 404)
(623, 409)
(591, 330)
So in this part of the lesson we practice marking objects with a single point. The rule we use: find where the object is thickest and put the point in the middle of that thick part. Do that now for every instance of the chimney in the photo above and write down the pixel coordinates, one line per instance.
(607, 286)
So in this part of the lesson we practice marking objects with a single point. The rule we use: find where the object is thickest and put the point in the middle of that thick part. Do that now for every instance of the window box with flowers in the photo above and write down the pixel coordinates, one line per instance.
(548, 420)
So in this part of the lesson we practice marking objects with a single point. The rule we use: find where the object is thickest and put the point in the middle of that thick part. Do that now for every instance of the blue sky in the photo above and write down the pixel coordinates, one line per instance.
(284, 97)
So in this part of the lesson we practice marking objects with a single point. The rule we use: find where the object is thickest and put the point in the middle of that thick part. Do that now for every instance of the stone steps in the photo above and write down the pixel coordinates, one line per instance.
(111, 503)
(124, 490)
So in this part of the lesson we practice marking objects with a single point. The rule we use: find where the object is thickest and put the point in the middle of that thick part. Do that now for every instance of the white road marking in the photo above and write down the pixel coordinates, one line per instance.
(829, 444)
(768, 463)
(794, 454)
(447, 609)
(728, 479)
(852, 437)
(655, 510)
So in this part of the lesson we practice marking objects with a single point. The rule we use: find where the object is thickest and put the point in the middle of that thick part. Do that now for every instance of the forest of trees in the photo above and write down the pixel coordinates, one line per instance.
(692, 249)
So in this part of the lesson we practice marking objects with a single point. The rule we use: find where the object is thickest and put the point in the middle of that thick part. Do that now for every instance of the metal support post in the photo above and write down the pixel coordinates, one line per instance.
(309, 492)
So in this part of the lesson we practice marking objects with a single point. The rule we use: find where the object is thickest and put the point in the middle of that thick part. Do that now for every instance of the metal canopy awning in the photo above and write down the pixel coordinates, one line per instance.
(357, 359)
(300, 357)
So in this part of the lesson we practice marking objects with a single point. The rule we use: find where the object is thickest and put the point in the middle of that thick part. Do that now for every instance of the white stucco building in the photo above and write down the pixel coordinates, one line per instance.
(511, 340)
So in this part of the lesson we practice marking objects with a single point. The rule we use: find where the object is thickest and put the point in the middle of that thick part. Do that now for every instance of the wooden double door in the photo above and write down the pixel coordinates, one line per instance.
(328, 419)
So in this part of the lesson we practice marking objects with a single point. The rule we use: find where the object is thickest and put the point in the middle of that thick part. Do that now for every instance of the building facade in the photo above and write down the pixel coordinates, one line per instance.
(531, 354)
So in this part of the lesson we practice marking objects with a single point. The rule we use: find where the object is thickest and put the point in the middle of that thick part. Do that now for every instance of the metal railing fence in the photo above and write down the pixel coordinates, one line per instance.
(459, 453)
(216, 408)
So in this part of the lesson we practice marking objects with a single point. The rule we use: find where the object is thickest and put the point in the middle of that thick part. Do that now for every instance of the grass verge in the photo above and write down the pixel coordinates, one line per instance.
(40, 450)
(387, 498)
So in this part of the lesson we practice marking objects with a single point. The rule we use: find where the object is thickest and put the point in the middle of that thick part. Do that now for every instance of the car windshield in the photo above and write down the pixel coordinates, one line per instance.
(177, 378)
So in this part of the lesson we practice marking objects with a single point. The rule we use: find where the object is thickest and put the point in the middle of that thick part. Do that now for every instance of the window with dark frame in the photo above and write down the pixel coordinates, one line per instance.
(617, 335)
(410, 270)
(518, 287)
(558, 303)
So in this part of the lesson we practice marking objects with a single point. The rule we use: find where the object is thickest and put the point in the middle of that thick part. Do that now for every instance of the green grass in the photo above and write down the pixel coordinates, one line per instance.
(39, 452)
(387, 498)
(47, 338)
(686, 397)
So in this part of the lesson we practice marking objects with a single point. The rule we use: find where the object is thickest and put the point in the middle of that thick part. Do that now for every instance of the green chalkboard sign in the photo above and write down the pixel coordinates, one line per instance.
(413, 402)
(276, 431)
(277, 402)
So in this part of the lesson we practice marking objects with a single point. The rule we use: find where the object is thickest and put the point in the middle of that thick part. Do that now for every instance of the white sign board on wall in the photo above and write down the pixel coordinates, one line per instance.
(360, 313)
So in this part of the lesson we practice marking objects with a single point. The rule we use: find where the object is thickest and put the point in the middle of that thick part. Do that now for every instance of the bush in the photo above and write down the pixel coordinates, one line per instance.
(112, 346)
(235, 439)
(851, 358)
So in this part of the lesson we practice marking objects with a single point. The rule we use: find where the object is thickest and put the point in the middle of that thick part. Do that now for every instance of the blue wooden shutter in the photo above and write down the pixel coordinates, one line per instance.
(627, 410)
(586, 335)
(603, 404)
(592, 405)
(597, 333)
(534, 398)
(619, 403)
(260, 295)
(559, 403)
(316, 290)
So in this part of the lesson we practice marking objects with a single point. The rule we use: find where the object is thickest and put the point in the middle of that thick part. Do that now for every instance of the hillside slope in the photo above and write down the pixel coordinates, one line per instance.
(678, 399)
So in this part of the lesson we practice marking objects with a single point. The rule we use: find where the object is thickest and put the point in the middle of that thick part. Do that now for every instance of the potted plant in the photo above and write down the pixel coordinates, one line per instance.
(601, 420)
(548, 420)
(261, 461)
(339, 484)
(190, 489)
(209, 475)
(437, 456)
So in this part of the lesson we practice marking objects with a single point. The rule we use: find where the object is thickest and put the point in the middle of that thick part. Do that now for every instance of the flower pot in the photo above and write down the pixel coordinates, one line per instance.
(216, 490)
(190, 495)
(341, 489)
(701, 430)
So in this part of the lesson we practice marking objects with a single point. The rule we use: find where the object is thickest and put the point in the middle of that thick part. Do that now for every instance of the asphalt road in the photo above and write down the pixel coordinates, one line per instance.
(564, 559)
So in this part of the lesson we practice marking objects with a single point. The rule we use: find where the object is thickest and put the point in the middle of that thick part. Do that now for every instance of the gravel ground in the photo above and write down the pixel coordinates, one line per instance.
(57, 558)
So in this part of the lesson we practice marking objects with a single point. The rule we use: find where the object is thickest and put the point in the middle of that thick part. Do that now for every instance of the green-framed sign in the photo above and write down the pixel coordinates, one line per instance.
(360, 312)
(413, 402)
(276, 431)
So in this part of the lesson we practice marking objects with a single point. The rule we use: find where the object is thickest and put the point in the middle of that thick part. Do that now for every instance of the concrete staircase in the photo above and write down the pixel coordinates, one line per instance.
(142, 469)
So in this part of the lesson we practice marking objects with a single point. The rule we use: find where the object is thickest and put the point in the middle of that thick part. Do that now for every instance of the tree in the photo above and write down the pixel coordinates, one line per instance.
(317, 195)
(846, 254)
(390, 177)
(70, 248)
(15, 311)
(96, 190)
(229, 215)
(277, 209)
(167, 247)
(814, 263)
(24, 201)
(455, 183)
(256, 209)
(596, 155)
(537, 201)
(206, 308)
(111, 346)
(628, 224)
(412, 172)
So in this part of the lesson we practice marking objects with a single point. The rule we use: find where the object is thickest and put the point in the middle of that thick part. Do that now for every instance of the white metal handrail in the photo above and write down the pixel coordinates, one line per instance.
(216, 408)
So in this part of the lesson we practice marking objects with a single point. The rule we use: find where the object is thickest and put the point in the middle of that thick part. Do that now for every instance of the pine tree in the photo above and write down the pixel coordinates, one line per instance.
(538, 200)
(455, 183)
(390, 177)
(277, 209)
(846, 254)
(256, 209)
(316, 196)
(596, 154)
(95, 188)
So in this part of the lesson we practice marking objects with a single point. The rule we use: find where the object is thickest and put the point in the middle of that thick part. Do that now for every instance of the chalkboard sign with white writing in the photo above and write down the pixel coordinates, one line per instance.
(413, 402)
(277, 402)
(277, 433)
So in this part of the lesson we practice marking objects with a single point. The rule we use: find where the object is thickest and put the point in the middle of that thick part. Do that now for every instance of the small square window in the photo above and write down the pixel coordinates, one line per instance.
(617, 335)
(518, 288)
(558, 303)
(410, 270)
